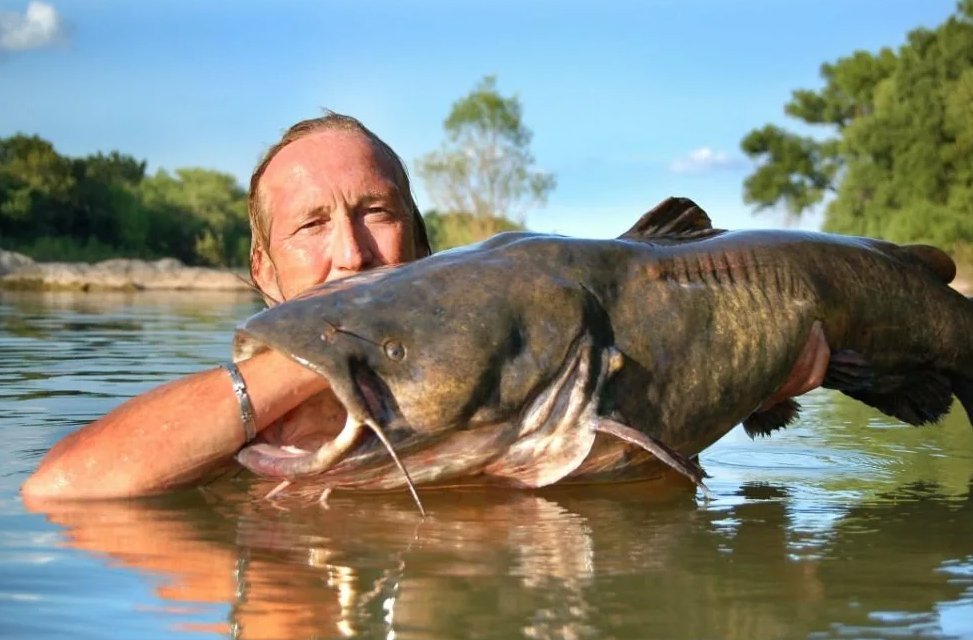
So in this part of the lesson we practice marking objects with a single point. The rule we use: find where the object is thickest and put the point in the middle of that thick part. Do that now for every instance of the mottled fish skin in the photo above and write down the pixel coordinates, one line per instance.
(700, 325)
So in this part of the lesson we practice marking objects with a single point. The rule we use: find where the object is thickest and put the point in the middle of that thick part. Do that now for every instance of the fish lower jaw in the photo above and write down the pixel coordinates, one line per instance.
(292, 462)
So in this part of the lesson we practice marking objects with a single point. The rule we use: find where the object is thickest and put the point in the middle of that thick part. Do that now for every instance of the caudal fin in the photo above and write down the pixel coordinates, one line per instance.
(963, 389)
(963, 386)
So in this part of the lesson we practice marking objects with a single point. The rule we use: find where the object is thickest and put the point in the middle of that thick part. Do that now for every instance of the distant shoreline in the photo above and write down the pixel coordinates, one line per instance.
(19, 272)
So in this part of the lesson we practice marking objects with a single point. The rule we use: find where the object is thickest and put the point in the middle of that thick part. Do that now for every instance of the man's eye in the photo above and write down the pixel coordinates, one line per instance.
(311, 224)
(379, 213)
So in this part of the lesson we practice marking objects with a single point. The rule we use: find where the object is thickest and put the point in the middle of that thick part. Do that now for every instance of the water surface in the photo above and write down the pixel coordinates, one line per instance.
(846, 525)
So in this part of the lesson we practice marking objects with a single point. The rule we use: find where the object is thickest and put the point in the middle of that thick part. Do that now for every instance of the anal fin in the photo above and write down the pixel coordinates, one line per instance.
(916, 397)
(849, 371)
(924, 396)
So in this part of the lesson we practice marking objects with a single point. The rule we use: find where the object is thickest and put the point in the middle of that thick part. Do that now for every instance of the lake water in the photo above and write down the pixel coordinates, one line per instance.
(846, 525)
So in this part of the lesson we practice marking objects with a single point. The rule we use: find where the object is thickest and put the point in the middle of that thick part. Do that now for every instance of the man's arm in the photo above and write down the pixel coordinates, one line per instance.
(171, 435)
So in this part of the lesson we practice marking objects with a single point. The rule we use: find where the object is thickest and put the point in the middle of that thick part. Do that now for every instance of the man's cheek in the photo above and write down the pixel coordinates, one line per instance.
(395, 244)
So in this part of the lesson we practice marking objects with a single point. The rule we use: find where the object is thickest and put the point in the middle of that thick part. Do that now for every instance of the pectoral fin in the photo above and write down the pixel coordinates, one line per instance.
(656, 447)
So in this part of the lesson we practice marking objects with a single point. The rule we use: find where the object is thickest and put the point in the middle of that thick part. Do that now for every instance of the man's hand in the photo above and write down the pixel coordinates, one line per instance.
(309, 425)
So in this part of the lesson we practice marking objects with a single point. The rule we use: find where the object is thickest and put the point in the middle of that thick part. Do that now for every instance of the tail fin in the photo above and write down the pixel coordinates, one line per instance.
(963, 389)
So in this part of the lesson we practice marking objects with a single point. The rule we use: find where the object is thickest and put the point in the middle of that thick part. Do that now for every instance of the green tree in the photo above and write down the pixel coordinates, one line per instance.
(36, 186)
(449, 230)
(57, 208)
(895, 158)
(200, 215)
(105, 201)
(484, 168)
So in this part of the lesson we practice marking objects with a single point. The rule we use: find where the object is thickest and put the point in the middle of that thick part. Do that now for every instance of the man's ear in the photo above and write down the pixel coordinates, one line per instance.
(264, 275)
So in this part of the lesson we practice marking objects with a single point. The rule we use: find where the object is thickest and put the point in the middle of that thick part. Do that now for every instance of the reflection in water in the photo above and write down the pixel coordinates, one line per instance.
(484, 563)
(583, 562)
(844, 525)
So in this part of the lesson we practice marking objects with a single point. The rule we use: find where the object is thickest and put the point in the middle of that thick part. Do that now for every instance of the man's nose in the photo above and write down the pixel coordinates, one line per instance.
(350, 253)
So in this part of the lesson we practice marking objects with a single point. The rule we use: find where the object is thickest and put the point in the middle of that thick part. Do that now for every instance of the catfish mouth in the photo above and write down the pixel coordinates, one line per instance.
(375, 400)
(368, 402)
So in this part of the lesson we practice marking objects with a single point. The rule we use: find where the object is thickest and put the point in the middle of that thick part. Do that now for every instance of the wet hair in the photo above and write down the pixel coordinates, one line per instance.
(330, 121)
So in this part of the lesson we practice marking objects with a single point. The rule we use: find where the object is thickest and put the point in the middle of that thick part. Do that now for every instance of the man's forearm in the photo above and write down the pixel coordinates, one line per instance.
(171, 435)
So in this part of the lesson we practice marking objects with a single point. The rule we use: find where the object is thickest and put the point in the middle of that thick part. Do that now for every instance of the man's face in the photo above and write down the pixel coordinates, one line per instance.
(334, 210)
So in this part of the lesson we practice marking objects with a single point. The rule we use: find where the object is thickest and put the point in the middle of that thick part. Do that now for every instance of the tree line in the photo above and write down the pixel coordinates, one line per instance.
(54, 207)
(894, 156)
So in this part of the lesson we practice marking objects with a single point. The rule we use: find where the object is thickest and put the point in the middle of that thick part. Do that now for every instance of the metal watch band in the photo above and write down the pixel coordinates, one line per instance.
(243, 398)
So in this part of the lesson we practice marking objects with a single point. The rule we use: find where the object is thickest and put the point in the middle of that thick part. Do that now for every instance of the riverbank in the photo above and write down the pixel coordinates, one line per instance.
(18, 271)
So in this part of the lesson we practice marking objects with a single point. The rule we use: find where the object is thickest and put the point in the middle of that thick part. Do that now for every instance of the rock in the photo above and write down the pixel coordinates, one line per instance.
(11, 261)
(119, 273)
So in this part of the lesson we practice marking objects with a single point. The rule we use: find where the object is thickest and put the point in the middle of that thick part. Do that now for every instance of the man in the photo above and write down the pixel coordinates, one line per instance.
(329, 200)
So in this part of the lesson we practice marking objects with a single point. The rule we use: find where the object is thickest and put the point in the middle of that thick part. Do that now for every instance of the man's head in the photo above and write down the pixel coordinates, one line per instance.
(330, 199)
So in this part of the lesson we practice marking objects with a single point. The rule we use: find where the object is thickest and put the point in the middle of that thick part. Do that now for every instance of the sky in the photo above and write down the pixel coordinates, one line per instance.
(629, 102)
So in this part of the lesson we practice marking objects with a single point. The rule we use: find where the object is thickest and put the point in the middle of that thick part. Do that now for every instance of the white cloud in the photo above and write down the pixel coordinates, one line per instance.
(703, 160)
(39, 26)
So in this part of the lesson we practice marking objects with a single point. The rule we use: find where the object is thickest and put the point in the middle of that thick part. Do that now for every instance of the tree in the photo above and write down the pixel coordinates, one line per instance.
(105, 200)
(484, 168)
(36, 185)
(57, 208)
(449, 230)
(200, 215)
(897, 153)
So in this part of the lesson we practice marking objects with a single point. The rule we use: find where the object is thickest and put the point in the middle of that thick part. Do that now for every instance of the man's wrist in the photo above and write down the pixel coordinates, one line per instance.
(247, 415)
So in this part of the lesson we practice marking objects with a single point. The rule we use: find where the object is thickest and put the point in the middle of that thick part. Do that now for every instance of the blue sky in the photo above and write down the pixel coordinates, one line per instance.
(629, 101)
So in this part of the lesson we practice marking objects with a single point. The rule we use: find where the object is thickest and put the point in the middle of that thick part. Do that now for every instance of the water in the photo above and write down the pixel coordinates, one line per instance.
(847, 525)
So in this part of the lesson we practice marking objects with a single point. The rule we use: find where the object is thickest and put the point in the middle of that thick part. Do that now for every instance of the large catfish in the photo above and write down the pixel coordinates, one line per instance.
(530, 359)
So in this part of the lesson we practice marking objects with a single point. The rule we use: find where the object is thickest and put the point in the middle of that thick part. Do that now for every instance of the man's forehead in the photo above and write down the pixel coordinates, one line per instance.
(331, 151)
(306, 173)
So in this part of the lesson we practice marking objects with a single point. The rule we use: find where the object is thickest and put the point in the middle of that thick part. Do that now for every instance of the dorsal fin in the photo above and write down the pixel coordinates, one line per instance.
(933, 259)
(674, 219)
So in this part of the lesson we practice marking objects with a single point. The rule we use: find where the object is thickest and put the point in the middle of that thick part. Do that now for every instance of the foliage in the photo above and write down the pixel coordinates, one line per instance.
(897, 155)
(58, 208)
(208, 208)
(448, 230)
(484, 166)
(35, 185)
(65, 249)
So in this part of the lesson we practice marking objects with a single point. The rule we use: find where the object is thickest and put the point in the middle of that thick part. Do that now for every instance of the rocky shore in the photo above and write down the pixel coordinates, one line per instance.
(18, 271)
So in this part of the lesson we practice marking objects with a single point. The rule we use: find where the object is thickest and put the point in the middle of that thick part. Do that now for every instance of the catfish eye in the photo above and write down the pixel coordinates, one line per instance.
(394, 350)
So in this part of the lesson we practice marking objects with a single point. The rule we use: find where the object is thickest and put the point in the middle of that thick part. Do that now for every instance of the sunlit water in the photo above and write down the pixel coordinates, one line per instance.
(847, 525)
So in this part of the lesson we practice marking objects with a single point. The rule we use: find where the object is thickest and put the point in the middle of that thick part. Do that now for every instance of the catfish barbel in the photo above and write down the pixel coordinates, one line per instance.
(530, 359)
